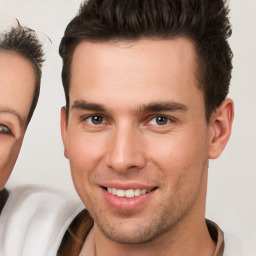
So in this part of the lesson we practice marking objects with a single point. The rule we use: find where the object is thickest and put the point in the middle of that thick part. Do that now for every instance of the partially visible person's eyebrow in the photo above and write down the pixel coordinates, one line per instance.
(162, 106)
(12, 112)
(81, 104)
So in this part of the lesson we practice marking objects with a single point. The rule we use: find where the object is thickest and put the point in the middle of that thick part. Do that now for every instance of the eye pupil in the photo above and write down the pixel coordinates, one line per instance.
(161, 120)
(97, 119)
(4, 129)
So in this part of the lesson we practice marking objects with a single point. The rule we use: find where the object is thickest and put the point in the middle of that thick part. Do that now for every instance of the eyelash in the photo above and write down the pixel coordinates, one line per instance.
(4, 129)
(83, 119)
(168, 119)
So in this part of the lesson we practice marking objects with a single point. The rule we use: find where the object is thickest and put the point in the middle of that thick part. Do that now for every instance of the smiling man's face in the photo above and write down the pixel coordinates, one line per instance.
(137, 137)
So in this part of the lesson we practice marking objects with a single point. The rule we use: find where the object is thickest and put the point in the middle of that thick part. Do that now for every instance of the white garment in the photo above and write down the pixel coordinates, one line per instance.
(34, 221)
(232, 245)
(235, 247)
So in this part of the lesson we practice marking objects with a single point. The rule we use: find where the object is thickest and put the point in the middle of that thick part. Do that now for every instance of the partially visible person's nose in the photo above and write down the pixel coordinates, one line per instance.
(126, 150)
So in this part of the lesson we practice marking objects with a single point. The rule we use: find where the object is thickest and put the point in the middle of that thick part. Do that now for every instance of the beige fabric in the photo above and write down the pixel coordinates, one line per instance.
(217, 236)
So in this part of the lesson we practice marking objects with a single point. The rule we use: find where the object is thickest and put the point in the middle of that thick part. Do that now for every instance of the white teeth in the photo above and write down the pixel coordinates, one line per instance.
(120, 193)
(143, 191)
(128, 193)
(137, 192)
(113, 191)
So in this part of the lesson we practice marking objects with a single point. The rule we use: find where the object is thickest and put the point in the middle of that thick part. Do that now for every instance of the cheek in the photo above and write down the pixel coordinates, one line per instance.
(179, 156)
(85, 153)
(183, 163)
(8, 155)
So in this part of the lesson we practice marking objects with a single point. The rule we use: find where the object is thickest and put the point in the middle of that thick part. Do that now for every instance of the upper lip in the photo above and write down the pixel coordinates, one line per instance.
(126, 186)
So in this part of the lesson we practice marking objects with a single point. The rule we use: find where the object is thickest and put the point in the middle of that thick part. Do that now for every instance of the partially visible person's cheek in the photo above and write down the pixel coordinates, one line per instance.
(9, 151)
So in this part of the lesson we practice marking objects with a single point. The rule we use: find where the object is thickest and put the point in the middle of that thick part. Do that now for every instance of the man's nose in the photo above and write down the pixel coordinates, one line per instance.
(126, 150)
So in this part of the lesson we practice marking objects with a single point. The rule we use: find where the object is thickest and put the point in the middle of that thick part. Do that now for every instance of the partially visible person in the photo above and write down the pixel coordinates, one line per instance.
(32, 220)
(21, 58)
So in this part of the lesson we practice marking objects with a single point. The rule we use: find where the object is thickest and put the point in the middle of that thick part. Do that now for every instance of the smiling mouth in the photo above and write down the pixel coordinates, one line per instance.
(129, 193)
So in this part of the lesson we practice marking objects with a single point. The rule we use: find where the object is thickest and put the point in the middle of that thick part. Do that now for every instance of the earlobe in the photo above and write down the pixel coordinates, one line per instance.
(221, 126)
(63, 123)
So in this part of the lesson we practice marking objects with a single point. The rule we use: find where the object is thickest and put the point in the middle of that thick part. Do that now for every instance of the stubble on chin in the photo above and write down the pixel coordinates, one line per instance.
(126, 230)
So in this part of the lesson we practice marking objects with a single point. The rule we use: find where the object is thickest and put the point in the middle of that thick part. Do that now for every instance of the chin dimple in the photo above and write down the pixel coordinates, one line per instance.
(129, 193)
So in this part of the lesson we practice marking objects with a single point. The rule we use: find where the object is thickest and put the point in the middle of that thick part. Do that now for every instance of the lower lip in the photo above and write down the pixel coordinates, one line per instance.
(127, 204)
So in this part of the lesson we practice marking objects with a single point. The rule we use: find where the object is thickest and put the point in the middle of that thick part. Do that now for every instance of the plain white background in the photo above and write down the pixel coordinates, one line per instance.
(231, 199)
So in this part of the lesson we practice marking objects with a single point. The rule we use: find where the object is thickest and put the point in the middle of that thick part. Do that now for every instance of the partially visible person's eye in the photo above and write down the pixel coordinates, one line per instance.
(159, 120)
(4, 129)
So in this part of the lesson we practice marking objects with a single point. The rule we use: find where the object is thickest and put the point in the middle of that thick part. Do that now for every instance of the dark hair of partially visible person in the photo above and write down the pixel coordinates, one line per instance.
(24, 41)
(205, 22)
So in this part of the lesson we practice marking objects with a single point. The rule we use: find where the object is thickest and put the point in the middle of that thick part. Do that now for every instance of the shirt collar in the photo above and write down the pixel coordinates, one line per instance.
(3, 198)
(217, 236)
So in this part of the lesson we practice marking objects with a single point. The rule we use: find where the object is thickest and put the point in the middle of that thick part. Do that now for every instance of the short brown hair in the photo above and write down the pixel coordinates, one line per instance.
(24, 41)
(205, 22)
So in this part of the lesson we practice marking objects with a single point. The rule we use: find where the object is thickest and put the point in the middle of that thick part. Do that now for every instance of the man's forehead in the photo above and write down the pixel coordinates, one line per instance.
(146, 54)
(144, 72)
(152, 42)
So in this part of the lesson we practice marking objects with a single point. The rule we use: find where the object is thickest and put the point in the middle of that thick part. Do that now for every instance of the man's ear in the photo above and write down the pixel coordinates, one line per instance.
(220, 128)
(63, 124)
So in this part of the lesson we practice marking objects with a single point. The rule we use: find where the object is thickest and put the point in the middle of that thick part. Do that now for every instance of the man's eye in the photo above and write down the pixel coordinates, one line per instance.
(159, 120)
(4, 129)
(95, 120)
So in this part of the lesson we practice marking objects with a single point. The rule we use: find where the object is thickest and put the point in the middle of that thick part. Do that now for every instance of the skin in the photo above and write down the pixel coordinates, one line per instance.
(17, 87)
(113, 139)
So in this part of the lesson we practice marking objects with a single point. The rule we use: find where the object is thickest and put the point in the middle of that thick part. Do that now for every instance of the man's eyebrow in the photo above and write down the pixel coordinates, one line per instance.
(13, 112)
(81, 104)
(151, 107)
(162, 106)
